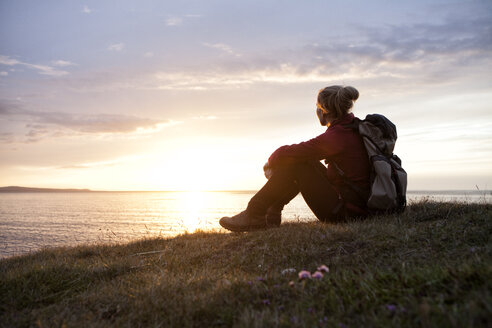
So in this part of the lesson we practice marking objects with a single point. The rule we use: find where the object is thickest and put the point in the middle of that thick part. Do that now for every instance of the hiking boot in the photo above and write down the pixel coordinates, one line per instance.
(273, 216)
(244, 221)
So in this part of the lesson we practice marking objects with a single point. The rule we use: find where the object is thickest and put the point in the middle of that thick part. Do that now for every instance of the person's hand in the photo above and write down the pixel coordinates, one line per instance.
(267, 170)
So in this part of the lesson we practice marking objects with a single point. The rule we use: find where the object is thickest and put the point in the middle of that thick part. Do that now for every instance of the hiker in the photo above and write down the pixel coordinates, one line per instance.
(297, 168)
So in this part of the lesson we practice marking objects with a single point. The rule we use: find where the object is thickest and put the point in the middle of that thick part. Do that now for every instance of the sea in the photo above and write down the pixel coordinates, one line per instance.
(30, 221)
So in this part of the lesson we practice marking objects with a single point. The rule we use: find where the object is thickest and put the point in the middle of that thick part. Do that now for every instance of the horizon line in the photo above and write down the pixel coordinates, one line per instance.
(47, 189)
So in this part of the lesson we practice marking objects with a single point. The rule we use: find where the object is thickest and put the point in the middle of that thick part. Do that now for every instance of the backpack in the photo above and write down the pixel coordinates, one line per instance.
(388, 180)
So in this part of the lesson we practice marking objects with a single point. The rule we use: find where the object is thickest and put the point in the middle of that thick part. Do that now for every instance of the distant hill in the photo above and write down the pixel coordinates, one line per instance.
(27, 189)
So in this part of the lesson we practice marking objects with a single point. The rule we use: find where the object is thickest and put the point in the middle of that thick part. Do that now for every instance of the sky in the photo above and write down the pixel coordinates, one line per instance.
(196, 95)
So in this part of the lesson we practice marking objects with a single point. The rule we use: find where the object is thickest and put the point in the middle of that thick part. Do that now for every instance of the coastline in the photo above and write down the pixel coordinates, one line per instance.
(19, 189)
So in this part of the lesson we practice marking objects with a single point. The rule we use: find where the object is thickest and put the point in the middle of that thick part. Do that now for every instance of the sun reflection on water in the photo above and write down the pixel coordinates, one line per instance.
(35, 220)
(193, 204)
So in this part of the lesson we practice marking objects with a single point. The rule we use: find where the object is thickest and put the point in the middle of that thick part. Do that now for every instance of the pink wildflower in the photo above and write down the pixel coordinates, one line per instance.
(317, 275)
(304, 275)
(323, 268)
(291, 283)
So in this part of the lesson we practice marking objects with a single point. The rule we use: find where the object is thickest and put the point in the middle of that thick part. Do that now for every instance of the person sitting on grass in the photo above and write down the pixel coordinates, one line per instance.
(297, 168)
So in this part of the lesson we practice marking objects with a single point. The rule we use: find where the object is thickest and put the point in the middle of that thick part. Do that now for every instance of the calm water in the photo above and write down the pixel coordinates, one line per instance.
(30, 221)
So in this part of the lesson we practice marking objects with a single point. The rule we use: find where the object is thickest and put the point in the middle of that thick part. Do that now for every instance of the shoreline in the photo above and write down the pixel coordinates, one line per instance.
(21, 237)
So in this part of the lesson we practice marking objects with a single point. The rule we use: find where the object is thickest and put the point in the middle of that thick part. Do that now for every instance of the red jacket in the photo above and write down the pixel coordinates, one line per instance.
(339, 144)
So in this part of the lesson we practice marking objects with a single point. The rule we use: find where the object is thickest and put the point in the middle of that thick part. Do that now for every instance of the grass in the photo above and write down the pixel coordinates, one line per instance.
(430, 266)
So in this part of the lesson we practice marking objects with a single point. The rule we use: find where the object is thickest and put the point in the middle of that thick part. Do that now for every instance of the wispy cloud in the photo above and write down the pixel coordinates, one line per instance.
(396, 56)
(178, 20)
(62, 63)
(105, 163)
(148, 54)
(116, 46)
(205, 117)
(41, 125)
(408, 55)
(42, 69)
(6, 60)
(222, 47)
(174, 21)
(4, 73)
(6, 137)
(86, 10)
(284, 74)
(47, 70)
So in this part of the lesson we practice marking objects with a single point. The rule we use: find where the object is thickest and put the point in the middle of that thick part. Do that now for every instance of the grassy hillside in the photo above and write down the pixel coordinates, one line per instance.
(431, 266)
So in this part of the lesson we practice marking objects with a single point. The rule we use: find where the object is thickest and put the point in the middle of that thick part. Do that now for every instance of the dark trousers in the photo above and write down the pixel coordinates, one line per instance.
(308, 178)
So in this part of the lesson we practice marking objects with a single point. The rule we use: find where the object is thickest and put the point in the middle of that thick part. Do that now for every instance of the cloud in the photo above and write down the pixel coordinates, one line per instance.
(148, 54)
(179, 20)
(6, 60)
(430, 50)
(116, 47)
(216, 79)
(405, 55)
(205, 117)
(62, 63)
(40, 125)
(4, 73)
(42, 69)
(47, 70)
(223, 47)
(6, 137)
(174, 21)
(86, 10)
(106, 163)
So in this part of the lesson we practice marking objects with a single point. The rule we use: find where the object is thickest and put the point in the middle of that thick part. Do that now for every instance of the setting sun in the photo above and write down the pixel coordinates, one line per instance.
(190, 169)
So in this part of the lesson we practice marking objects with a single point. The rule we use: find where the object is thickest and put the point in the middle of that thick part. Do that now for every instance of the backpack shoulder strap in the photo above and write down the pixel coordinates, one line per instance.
(358, 191)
